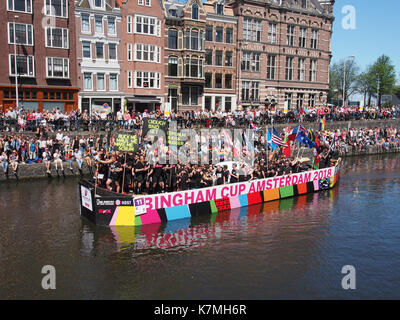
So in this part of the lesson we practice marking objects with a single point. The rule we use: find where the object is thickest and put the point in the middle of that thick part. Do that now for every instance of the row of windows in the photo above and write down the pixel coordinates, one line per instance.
(218, 82)
(252, 32)
(300, 100)
(289, 70)
(144, 52)
(98, 24)
(144, 79)
(100, 81)
(54, 8)
(55, 67)
(219, 34)
(218, 58)
(32, 95)
(144, 25)
(99, 50)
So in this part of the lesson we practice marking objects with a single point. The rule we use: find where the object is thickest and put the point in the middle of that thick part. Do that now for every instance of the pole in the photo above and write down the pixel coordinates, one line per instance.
(15, 65)
(97, 175)
(377, 93)
(123, 175)
(344, 83)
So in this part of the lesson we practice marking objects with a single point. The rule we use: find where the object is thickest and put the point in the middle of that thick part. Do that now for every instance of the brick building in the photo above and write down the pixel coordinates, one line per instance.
(41, 35)
(143, 54)
(99, 54)
(284, 52)
(220, 56)
(184, 54)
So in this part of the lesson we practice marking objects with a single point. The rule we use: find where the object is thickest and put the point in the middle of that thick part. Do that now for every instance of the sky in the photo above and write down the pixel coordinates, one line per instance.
(376, 32)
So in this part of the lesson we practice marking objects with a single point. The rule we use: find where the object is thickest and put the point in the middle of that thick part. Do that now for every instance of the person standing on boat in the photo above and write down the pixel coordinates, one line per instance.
(234, 176)
(114, 171)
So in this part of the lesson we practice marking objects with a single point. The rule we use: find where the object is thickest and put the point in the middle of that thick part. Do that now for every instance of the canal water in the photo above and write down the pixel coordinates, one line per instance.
(290, 249)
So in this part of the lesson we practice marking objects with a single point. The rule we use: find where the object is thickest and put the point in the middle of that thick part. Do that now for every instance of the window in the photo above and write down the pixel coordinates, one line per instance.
(246, 61)
(147, 3)
(173, 98)
(190, 95)
(57, 67)
(23, 33)
(290, 36)
(140, 2)
(229, 58)
(87, 81)
(208, 83)
(229, 35)
(245, 90)
(99, 50)
(98, 24)
(228, 81)
(218, 80)
(271, 67)
(247, 29)
(255, 91)
(228, 104)
(112, 51)
(193, 39)
(193, 67)
(57, 38)
(313, 70)
(311, 100)
(288, 100)
(129, 24)
(304, 4)
(85, 23)
(147, 25)
(289, 68)
(272, 38)
(57, 8)
(218, 57)
(195, 11)
(255, 63)
(147, 79)
(111, 25)
(25, 65)
(147, 53)
(300, 100)
(129, 79)
(172, 39)
(129, 51)
(20, 5)
(314, 39)
(100, 82)
(302, 69)
(173, 66)
(257, 30)
(209, 54)
(219, 8)
(302, 37)
(98, 3)
(86, 49)
(209, 33)
(219, 34)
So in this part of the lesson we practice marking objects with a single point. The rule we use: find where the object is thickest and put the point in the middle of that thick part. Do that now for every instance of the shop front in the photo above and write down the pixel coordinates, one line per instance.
(141, 103)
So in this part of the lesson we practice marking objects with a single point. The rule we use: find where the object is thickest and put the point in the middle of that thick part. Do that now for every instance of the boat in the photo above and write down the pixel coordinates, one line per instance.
(107, 208)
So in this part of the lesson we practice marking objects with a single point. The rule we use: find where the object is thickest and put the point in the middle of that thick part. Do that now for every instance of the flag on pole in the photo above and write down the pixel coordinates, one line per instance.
(301, 137)
(277, 139)
(295, 131)
(269, 141)
(253, 126)
(321, 124)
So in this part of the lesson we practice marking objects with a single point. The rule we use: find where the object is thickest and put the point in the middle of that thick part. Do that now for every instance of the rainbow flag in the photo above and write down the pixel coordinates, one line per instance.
(321, 124)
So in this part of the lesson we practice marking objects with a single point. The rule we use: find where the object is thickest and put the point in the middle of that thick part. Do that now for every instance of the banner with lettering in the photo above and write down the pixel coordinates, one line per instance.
(151, 126)
(126, 142)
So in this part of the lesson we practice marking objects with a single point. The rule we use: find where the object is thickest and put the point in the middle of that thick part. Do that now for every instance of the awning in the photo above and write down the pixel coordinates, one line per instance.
(143, 99)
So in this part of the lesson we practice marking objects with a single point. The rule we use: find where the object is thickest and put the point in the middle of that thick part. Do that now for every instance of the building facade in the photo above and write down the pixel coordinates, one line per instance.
(143, 55)
(99, 55)
(220, 57)
(184, 54)
(284, 50)
(38, 70)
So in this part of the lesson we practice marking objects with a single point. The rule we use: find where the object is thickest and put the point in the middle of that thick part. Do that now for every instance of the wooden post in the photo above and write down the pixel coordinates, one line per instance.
(123, 175)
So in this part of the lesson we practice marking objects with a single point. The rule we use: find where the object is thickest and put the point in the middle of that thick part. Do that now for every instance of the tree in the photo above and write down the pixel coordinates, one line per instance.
(384, 72)
(364, 85)
(346, 71)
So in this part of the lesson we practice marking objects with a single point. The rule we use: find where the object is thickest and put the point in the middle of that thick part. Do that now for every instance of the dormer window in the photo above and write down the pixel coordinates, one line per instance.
(98, 3)
(304, 4)
(219, 8)
(195, 11)
(173, 12)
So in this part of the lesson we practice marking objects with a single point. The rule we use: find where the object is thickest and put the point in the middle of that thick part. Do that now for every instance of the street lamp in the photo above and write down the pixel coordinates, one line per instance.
(344, 78)
(15, 64)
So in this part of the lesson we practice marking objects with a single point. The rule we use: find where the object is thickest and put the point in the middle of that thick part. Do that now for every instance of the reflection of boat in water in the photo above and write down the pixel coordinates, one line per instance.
(112, 209)
(198, 231)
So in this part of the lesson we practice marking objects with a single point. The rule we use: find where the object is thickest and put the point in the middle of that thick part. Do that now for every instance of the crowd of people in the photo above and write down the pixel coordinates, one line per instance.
(20, 120)
(133, 172)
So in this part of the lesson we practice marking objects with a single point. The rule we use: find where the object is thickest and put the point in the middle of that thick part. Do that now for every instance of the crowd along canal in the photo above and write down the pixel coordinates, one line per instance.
(291, 249)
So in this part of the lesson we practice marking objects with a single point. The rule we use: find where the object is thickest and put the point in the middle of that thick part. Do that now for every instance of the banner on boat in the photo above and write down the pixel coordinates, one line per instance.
(125, 142)
(179, 198)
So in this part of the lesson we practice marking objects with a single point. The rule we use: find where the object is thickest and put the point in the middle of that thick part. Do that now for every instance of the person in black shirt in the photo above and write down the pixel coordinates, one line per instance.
(157, 177)
(219, 174)
(139, 174)
(234, 174)
(114, 171)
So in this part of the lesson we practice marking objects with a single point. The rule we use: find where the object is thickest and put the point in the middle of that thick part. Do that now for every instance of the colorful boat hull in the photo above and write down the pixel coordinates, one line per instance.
(112, 209)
